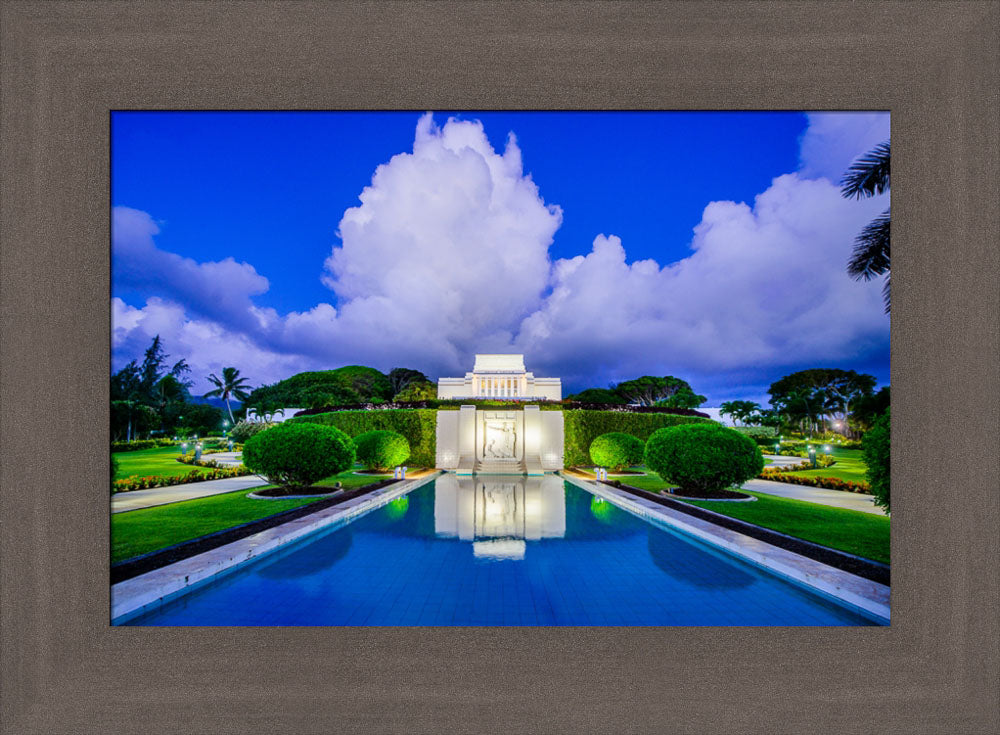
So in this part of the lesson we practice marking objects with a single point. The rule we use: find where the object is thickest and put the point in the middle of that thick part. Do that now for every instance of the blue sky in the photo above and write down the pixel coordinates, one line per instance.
(229, 238)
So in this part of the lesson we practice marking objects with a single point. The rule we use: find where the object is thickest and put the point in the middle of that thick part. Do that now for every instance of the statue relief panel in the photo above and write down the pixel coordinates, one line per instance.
(499, 439)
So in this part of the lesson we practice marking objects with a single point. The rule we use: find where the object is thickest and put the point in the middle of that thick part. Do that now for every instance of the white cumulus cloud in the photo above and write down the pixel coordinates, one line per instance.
(447, 254)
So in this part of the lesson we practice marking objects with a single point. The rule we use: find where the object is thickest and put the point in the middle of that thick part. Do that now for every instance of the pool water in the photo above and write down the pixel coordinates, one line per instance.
(499, 551)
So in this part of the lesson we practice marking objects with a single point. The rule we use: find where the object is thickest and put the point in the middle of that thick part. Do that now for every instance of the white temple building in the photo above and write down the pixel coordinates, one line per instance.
(500, 376)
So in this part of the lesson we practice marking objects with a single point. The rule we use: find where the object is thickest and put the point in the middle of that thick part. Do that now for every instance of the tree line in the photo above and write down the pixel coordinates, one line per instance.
(818, 399)
(152, 397)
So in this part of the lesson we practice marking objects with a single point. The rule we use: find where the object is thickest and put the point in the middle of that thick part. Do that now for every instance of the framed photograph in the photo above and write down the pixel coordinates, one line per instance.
(365, 444)
(481, 366)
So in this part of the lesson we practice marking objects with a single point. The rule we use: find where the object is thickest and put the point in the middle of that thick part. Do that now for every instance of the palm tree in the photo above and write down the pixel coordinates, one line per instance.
(230, 385)
(868, 176)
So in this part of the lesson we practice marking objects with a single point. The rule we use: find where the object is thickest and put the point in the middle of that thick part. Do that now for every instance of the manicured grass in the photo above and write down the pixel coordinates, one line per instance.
(850, 466)
(159, 462)
(147, 529)
(853, 531)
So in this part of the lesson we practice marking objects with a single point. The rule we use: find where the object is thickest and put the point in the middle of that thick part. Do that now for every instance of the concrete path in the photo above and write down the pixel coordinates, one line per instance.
(835, 498)
(226, 459)
(782, 461)
(135, 499)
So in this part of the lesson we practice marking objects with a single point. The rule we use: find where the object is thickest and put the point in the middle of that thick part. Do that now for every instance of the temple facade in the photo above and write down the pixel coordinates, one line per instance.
(500, 376)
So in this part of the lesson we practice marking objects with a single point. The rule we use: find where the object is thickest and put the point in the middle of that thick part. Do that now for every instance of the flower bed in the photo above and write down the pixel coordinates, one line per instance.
(828, 483)
(210, 472)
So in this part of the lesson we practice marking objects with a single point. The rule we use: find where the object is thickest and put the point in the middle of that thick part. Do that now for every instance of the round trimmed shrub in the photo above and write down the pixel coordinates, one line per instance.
(381, 450)
(616, 450)
(298, 455)
(703, 457)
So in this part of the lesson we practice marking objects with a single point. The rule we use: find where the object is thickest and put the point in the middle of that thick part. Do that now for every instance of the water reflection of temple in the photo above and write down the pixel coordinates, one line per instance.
(499, 514)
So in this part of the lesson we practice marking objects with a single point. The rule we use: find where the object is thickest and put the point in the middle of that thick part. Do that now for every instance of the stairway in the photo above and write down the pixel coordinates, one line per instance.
(500, 467)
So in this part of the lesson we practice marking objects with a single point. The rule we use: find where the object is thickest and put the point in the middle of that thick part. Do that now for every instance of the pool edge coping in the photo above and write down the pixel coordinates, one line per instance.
(143, 592)
(857, 593)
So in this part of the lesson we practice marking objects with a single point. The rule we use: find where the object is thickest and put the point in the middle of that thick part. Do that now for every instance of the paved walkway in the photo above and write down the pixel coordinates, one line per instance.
(780, 460)
(835, 498)
(226, 459)
(135, 499)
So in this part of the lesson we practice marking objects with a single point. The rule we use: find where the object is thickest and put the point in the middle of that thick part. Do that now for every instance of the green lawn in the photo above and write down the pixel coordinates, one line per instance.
(853, 531)
(850, 466)
(140, 531)
(159, 462)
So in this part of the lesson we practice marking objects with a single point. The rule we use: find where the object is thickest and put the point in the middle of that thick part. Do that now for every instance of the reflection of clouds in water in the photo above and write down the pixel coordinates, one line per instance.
(314, 558)
(676, 558)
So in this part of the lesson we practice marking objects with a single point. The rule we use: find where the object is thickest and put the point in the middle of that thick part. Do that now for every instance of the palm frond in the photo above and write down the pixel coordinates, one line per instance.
(871, 250)
(868, 175)
(886, 292)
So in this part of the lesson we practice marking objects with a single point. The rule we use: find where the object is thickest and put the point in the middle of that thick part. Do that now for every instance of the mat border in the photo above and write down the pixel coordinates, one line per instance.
(63, 65)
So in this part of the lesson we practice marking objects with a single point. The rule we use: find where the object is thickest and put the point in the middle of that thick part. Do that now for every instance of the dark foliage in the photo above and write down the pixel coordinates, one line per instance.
(868, 175)
(875, 446)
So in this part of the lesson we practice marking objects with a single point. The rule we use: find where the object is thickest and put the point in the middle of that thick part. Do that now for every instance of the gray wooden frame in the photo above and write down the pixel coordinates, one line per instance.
(66, 64)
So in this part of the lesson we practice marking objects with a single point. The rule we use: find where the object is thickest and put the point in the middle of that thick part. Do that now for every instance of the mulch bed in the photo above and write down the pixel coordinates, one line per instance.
(709, 495)
(280, 492)
(866, 568)
(162, 557)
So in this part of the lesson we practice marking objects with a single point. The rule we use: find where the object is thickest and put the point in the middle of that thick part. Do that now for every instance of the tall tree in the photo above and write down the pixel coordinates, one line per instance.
(868, 176)
(596, 395)
(126, 394)
(648, 390)
(741, 411)
(152, 367)
(400, 378)
(818, 392)
(230, 385)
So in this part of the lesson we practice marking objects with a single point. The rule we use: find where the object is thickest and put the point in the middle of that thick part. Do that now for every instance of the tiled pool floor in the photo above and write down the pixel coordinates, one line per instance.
(499, 551)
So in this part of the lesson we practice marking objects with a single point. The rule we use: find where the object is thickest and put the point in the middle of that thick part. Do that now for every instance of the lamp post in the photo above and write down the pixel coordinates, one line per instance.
(184, 448)
(812, 455)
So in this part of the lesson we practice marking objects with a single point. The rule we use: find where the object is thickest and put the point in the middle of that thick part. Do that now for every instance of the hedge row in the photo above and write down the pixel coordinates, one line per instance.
(583, 426)
(419, 426)
(137, 444)
(494, 403)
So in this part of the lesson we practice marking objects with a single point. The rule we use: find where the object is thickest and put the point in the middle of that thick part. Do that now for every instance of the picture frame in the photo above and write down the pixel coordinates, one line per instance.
(66, 65)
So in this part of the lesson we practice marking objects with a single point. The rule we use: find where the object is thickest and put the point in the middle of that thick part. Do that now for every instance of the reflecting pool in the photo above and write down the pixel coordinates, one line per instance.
(499, 550)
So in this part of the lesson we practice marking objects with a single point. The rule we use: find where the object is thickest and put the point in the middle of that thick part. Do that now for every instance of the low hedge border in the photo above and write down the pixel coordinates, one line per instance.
(137, 444)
